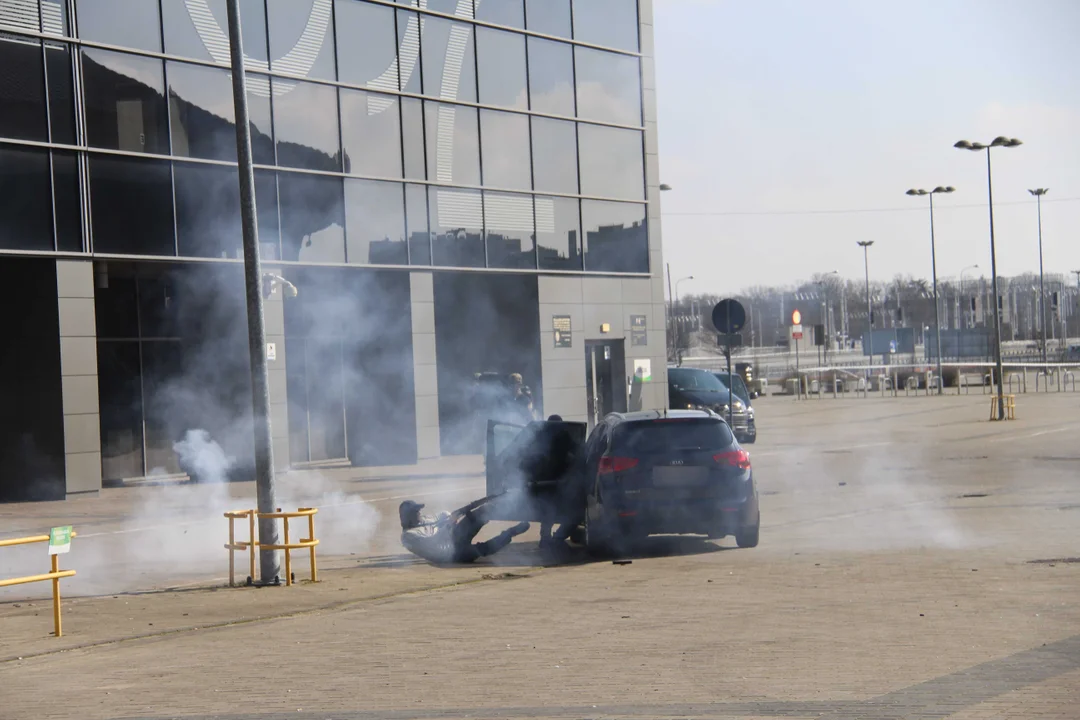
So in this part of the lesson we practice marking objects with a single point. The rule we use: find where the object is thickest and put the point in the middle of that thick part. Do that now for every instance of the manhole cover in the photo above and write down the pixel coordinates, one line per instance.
(1055, 561)
(974, 495)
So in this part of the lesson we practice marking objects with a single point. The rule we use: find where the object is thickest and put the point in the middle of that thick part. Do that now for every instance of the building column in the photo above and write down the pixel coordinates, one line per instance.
(425, 373)
(563, 368)
(274, 323)
(79, 376)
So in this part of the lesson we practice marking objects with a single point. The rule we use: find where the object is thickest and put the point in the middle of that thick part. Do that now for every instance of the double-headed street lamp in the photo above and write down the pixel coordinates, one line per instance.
(999, 141)
(933, 266)
(865, 245)
(1038, 193)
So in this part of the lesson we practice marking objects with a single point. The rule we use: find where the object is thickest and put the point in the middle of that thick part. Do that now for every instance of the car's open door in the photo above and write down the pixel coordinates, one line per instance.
(528, 462)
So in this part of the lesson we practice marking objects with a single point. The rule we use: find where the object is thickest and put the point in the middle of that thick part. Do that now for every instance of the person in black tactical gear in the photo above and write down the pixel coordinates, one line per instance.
(567, 504)
(447, 538)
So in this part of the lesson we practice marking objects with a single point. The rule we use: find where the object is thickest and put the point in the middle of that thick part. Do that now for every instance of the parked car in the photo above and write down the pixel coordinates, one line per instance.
(743, 393)
(694, 389)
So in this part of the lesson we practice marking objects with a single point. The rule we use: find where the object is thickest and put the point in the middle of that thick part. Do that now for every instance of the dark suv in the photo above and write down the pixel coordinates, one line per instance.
(642, 473)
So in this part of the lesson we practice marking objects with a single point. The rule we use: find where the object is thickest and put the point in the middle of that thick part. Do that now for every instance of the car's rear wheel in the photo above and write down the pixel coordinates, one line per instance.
(747, 536)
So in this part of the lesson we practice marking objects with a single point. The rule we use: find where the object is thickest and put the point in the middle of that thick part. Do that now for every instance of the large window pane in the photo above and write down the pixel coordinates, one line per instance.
(23, 16)
(608, 86)
(613, 23)
(453, 143)
(375, 223)
(501, 12)
(25, 207)
(207, 38)
(457, 226)
(416, 224)
(66, 201)
(509, 229)
(262, 138)
(22, 89)
(371, 133)
(366, 47)
(558, 233)
(408, 40)
(312, 218)
(125, 102)
(612, 162)
(208, 211)
(301, 37)
(127, 23)
(306, 125)
(266, 204)
(551, 77)
(448, 59)
(412, 130)
(502, 68)
(61, 92)
(551, 17)
(554, 148)
(131, 205)
(201, 108)
(505, 149)
(616, 239)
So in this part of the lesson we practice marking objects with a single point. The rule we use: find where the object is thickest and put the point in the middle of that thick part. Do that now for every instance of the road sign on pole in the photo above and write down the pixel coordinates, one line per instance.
(796, 332)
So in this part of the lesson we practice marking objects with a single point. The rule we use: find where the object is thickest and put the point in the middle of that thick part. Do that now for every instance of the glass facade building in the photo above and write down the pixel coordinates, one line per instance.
(406, 153)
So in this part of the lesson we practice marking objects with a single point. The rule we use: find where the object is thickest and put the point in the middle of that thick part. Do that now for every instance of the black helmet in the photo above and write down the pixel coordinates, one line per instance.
(409, 514)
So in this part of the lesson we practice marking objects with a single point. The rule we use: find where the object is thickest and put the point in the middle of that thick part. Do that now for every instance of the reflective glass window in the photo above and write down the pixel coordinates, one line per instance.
(302, 38)
(461, 8)
(208, 211)
(306, 125)
(558, 233)
(23, 16)
(125, 102)
(608, 86)
(453, 143)
(131, 204)
(502, 68)
(616, 237)
(416, 224)
(61, 92)
(22, 89)
(504, 139)
(262, 138)
(375, 222)
(448, 59)
(612, 162)
(266, 206)
(551, 17)
(201, 109)
(408, 41)
(554, 148)
(509, 230)
(190, 32)
(127, 23)
(371, 133)
(457, 227)
(613, 23)
(502, 12)
(312, 218)
(25, 199)
(66, 201)
(551, 77)
(412, 130)
(366, 46)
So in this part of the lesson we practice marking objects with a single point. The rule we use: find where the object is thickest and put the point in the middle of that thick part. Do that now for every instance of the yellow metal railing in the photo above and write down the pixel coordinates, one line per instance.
(54, 574)
(252, 542)
(1010, 407)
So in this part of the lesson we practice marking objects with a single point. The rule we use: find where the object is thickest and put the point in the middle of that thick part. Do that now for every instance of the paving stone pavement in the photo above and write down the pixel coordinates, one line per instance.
(878, 592)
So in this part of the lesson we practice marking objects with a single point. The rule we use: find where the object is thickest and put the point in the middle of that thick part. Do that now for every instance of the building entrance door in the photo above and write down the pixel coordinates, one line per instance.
(316, 374)
(605, 378)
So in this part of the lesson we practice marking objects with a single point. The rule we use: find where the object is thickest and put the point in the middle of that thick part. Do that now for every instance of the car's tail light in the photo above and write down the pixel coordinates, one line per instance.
(734, 458)
(610, 465)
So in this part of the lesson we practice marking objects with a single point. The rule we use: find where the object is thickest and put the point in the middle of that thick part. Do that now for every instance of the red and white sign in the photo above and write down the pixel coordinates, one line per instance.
(796, 332)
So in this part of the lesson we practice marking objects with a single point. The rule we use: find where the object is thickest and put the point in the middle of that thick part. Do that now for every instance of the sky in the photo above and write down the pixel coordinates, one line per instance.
(791, 129)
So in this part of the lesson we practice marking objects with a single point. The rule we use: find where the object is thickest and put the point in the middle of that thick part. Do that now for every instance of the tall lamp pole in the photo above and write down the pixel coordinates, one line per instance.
(933, 266)
(1000, 141)
(865, 245)
(1038, 193)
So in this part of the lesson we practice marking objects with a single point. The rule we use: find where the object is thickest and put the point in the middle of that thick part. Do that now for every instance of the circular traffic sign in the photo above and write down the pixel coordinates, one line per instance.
(728, 316)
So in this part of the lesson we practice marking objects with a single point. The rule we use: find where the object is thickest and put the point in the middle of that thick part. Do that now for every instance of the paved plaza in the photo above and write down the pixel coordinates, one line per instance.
(916, 561)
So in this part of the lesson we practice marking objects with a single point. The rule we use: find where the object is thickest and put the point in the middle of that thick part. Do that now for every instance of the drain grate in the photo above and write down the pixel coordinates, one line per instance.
(1055, 561)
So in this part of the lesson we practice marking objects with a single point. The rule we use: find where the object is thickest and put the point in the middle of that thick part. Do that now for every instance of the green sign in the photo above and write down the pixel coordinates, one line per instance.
(60, 540)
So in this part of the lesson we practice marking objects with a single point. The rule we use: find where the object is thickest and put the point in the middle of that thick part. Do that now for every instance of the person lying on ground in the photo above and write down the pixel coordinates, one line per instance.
(447, 538)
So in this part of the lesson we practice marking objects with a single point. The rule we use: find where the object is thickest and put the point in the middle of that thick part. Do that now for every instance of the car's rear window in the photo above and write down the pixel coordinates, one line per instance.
(655, 436)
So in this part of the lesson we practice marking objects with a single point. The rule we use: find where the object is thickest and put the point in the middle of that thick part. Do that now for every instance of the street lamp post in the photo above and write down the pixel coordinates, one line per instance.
(865, 245)
(933, 266)
(1000, 141)
(963, 307)
(675, 309)
(1038, 193)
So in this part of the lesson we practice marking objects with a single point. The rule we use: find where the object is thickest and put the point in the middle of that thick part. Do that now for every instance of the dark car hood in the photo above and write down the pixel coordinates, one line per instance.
(707, 398)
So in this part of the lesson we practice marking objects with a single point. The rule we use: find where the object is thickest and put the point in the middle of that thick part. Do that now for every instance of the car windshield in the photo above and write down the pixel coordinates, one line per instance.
(691, 379)
(659, 436)
(737, 382)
